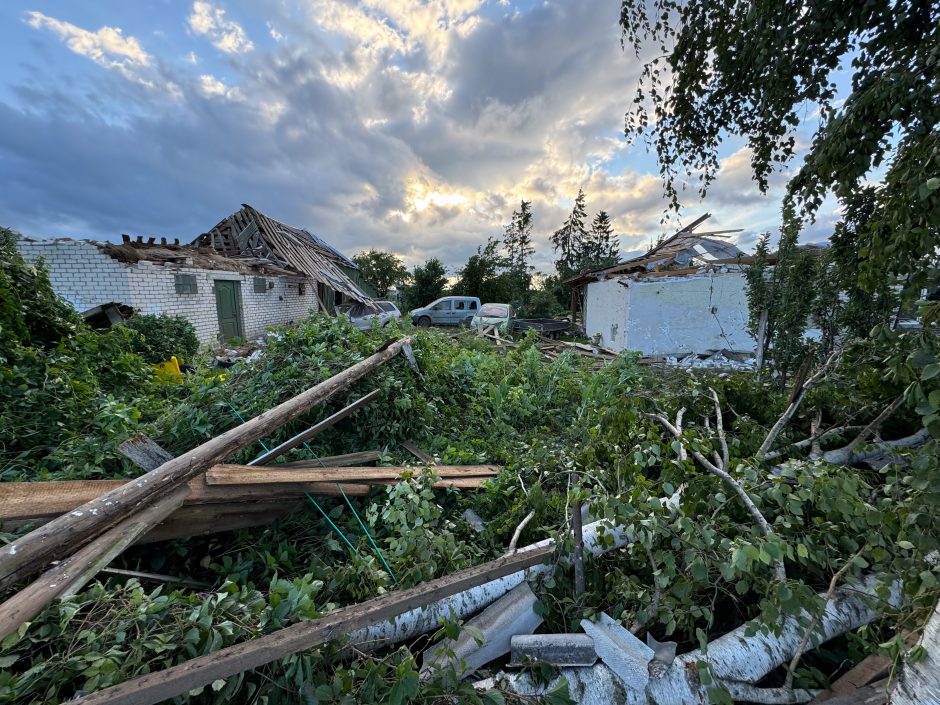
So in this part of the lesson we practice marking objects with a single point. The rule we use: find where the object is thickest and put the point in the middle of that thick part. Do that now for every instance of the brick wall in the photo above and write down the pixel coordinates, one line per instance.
(86, 277)
(79, 272)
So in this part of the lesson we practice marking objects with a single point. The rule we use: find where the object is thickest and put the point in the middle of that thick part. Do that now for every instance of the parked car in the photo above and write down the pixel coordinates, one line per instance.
(498, 315)
(361, 316)
(447, 311)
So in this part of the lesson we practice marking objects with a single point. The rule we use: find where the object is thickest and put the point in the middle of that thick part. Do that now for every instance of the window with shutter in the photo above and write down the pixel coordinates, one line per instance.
(186, 284)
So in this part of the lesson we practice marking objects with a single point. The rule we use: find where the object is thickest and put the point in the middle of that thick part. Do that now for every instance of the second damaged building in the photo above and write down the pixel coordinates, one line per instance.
(687, 295)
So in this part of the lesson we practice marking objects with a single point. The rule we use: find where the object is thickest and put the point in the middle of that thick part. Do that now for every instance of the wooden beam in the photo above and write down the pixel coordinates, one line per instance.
(203, 670)
(69, 576)
(61, 536)
(304, 436)
(417, 452)
(24, 501)
(246, 474)
(335, 461)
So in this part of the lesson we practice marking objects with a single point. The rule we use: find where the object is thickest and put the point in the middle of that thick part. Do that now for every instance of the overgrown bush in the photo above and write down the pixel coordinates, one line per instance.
(163, 336)
(68, 395)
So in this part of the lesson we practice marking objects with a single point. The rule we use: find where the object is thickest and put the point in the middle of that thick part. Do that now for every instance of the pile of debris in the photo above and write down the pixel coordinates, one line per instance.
(552, 348)
(710, 359)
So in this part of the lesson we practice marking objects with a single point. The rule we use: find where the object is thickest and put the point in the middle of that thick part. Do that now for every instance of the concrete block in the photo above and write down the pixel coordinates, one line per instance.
(512, 614)
(556, 649)
(623, 653)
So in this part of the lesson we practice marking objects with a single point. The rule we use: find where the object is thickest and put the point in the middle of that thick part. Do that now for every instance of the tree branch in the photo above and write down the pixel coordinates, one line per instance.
(788, 683)
(794, 405)
(876, 423)
(779, 570)
(518, 532)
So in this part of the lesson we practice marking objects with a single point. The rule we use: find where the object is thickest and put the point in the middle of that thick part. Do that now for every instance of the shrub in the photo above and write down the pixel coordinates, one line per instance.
(162, 337)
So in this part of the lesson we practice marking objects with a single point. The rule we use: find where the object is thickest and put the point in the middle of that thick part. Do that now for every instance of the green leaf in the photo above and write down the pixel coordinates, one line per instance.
(493, 697)
(558, 695)
(7, 661)
(404, 690)
(930, 371)
(906, 545)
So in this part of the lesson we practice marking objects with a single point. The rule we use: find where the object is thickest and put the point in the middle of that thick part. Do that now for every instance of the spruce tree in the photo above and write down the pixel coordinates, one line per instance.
(570, 239)
(519, 248)
(604, 247)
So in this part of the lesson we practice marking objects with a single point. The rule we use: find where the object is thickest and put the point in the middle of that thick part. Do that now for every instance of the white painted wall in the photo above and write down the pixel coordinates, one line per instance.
(605, 312)
(86, 277)
(666, 316)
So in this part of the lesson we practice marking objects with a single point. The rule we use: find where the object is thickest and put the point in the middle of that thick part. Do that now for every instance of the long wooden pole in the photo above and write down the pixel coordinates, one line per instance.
(61, 536)
(199, 672)
(69, 576)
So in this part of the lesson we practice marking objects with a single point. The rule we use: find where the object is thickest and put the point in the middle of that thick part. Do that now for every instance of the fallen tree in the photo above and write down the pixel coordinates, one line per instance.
(737, 660)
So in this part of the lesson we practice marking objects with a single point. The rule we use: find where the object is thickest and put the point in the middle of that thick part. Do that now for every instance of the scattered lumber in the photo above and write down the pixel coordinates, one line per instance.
(28, 501)
(63, 535)
(70, 575)
(318, 427)
(247, 474)
(199, 672)
(23, 502)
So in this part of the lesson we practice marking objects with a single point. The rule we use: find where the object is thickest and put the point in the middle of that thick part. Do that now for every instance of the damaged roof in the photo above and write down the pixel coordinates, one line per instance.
(686, 252)
(249, 233)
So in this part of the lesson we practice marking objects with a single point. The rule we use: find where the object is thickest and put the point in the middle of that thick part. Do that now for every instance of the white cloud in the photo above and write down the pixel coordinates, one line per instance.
(212, 87)
(275, 34)
(225, 35)
(107, 46)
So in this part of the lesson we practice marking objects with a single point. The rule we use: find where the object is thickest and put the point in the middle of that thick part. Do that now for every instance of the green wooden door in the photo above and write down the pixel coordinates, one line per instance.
(227, 306)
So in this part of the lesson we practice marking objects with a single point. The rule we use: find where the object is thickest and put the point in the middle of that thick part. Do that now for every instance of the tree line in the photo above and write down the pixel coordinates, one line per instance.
(501, 269)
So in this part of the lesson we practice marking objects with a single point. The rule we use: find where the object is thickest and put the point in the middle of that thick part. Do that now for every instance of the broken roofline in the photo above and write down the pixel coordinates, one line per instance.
(250, 233)
(682, 241)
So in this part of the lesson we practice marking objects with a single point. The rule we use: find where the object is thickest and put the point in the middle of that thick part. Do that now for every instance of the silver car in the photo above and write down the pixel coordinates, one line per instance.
(362, 317)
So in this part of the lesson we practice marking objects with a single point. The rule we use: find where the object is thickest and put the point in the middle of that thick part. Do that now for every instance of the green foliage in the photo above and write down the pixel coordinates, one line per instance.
(542, 421)
(485, 275)
(427, 284)
(31, 314)
(382, 270)
(68, 395)
(162, 337)
(749, 70)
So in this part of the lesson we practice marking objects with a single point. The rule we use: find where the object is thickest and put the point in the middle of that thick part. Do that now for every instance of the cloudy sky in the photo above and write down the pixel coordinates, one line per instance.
(409, 126)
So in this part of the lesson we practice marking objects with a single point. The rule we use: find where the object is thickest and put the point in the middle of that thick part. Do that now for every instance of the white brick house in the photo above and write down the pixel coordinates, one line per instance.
(221, 295)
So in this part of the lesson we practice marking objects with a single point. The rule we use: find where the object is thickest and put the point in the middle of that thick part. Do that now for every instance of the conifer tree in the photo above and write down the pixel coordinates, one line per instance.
(570, 239)
(602, 248)
(519, 248)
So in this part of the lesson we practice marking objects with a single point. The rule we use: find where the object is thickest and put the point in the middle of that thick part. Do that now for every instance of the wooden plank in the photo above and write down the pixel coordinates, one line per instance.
(144, 452)
(874, 694)
(61, 536)
(24, 501)
(69, 576)
(201, 671)
(417, 452)
(320, 426)
(335, 461)
(246, 474)
(215, 518)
